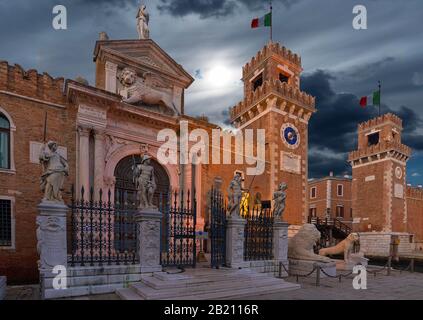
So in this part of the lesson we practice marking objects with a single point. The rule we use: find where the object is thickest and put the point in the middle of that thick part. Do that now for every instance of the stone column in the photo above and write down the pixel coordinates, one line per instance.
(280, 244)
(84, 159)
(149, 223)
(235, 242)
(111, 73)
(51, 244)
(99, 163)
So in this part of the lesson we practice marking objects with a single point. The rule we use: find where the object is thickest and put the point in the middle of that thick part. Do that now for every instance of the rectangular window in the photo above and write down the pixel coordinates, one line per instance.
(351, 215)
(258, 82)
(5, 223)
(313, 192)
(313, 212)
(339, 211)
(340, 190)
(4, 149)
(283, 78)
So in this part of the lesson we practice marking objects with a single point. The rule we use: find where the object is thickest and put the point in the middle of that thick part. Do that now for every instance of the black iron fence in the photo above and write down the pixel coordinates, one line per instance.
(102, 231)
(217, 228)
(258, 243)
(178, 245)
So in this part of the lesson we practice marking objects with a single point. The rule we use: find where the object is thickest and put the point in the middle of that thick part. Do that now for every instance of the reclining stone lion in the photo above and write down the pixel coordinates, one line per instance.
(301, 245)
(345, 246)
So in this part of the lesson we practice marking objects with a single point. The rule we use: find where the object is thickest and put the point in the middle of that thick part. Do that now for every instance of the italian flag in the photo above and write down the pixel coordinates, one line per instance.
(265, 21)
(373, 99)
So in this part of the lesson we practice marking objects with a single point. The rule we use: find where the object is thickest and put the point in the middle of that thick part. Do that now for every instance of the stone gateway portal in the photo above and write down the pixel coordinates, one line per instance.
(125, 190)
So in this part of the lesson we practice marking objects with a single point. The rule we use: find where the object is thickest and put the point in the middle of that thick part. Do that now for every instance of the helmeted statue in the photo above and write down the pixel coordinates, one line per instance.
(279, 196)
(143, 19)
(145, 183)
(235, 195)
(55, 168)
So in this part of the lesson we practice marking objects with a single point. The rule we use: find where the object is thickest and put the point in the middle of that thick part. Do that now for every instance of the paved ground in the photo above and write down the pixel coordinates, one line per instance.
(397, 286)
(394, 287)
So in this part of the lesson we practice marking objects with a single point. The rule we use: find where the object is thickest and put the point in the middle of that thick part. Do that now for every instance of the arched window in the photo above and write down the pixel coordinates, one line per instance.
(4, 142)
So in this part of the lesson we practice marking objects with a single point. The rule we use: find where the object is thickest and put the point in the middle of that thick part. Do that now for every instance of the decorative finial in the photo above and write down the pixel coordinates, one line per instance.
(103, 36)
(143, 19)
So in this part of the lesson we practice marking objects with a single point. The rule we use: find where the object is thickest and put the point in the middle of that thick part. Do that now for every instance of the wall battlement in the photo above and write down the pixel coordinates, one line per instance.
(383, 119)
(415, 192)
(266, 51)
(30, 83)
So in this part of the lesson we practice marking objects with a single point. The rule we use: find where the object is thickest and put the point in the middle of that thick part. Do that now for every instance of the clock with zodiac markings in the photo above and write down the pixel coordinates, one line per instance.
(290, 135)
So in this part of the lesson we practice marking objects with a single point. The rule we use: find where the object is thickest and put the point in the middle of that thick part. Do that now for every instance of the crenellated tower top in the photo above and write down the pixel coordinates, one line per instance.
(273, 74)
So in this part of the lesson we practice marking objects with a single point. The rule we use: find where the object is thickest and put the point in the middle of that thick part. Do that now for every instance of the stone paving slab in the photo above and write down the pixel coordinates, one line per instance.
(397, 286)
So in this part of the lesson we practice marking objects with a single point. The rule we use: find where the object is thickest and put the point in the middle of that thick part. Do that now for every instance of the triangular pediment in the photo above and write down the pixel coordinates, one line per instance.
(142, 54)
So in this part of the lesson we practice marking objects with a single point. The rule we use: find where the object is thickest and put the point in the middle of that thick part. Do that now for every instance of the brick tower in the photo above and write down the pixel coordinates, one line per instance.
(379, 182)
(273, 101)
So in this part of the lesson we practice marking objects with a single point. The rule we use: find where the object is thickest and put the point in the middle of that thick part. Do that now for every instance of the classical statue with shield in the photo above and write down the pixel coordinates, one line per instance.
(235, 195)
(145, 183)
(279, 198)
(55, 168)
(143, 18)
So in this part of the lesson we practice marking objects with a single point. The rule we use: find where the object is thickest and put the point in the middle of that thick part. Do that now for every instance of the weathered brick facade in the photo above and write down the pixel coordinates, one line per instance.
(26, 97)
(331, 197)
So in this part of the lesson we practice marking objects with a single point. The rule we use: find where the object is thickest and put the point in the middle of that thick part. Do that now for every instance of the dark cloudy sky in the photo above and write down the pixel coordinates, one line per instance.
(212, 40)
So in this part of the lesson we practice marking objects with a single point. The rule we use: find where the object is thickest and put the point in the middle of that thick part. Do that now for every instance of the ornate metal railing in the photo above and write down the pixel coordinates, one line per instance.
(258, 243)
(217, 228)
(178, 245)
(102, 232)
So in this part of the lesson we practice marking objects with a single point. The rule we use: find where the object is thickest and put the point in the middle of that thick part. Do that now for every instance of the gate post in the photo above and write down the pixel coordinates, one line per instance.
(280, 243)
(148, 246)
(235, 241)
(51, 244)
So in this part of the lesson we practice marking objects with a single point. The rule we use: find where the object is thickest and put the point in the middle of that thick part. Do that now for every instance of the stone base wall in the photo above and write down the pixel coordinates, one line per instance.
(377, 244)
(2, 288)
(82, 281)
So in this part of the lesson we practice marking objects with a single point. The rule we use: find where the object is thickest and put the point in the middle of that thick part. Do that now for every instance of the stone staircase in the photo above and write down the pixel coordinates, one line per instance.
(204, 284)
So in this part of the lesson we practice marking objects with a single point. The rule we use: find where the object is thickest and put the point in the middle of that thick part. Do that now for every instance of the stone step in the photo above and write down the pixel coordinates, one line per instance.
(196, 281)
(241, 293)
(81, 291)
(147, 292)
(128, 294)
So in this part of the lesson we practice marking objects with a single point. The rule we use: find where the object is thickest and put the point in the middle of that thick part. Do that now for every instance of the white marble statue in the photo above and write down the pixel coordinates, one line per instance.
(55, 168)
(149, 89)
(300, 246)
(279, 197)
(145, 183)
(344, 247)
(235, 195)
(143, 19)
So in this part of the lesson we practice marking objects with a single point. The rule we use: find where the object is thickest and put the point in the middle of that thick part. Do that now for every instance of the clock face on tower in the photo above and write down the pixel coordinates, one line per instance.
(290, 135)
(398, 172)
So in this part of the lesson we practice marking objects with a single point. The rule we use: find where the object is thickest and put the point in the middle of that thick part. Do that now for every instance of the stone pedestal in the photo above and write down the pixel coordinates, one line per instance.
(51, 235)
(51, 242)
(235, 242)
(2, 288)
(303, 267)
(280, 243)
(149, 222)
(353, 260)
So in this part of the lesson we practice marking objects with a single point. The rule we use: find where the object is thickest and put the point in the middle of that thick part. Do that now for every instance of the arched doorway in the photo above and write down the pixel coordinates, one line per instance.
(125, 191)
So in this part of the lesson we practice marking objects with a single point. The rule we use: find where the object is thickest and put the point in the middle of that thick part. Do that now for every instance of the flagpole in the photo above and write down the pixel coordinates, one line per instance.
(271, 22)
(380, 97)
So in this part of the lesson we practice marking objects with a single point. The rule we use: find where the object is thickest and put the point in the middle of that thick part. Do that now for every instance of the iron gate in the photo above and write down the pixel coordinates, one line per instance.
(258, 243)
(178, 246)
(217, 229)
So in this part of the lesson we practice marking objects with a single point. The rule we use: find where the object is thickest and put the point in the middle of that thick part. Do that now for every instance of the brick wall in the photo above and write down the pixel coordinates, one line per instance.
(414, 197)
(20, 264)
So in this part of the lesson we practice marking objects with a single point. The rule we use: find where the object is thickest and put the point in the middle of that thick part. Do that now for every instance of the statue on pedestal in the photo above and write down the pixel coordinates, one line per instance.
(145, 183)
(235, 195)
(55, 168)
(143, 19)
(279, 196)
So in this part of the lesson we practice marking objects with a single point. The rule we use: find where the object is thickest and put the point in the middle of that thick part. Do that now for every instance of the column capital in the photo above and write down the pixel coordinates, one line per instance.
(84, 130)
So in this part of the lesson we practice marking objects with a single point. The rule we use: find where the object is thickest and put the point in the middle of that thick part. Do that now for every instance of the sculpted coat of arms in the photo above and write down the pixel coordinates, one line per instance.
(149, 89)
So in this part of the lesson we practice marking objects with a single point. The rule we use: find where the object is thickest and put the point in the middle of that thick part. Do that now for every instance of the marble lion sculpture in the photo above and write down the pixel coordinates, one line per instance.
(148, 89)
(301, 245)
(345, 247)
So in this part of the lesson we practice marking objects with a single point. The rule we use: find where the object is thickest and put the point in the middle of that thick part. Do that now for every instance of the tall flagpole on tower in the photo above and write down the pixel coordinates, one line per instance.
(271, 21)
(380, 96)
